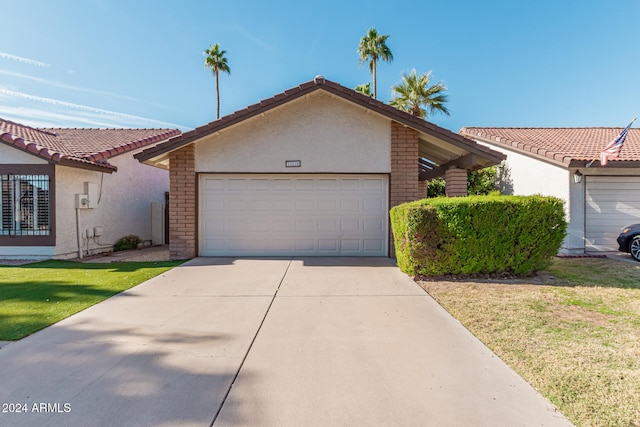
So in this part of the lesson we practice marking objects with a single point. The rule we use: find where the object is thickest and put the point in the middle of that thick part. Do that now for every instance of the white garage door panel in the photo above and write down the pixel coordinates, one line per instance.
(257, 215)
(611, 202)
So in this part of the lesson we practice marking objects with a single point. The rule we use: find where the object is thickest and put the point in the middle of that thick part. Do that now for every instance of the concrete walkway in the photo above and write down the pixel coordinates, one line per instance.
(267, 342)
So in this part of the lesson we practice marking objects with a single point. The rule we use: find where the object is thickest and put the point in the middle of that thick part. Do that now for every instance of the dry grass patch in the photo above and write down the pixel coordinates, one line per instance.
(573, 333)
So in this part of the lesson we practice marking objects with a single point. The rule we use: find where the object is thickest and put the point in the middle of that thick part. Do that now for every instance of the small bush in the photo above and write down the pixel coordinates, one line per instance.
(436, 187)
(127, 242)
(478, 234)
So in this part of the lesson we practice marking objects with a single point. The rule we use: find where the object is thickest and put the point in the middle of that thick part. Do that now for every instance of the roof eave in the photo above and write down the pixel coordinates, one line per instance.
(150, 156)
(57, 159)
(87, 165)
(161, 161)
(417, 123)
(557, 159)
(134, 145)
(595, 164)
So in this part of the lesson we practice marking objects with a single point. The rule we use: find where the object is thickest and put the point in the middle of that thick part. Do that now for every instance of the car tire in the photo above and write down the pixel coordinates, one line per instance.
(634, 248)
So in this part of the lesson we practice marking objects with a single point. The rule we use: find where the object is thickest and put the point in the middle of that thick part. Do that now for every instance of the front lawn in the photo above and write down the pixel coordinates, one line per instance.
(573, 333)
(34, 296)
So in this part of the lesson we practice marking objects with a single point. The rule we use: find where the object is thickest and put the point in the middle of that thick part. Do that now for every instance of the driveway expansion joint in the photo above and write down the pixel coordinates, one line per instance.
(235, 377)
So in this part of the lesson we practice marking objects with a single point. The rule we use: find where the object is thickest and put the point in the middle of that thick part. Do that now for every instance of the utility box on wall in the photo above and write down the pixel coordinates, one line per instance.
(157, 224)
(82, 201)
(91, 190)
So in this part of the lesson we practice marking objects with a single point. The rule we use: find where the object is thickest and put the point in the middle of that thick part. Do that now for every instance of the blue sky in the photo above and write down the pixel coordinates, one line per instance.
(139, 63)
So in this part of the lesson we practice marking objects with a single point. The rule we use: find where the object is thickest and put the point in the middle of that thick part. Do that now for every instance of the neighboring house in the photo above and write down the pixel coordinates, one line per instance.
(73, 192)
(310, 171)
(551, 161)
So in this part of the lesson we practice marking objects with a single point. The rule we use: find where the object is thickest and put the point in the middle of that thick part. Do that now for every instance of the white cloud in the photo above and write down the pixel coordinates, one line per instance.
(60, 85)
(65, 86)
(65, 114)
(40, 118)
(23, 60)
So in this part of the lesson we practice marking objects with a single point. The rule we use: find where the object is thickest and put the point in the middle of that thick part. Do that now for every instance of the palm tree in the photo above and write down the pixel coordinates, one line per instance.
(414, 93)
(217, 62)
(372, 47)
(364, 89)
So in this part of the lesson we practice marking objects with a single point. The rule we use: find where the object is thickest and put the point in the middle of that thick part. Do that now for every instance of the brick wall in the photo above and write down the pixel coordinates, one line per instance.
(404, 165)
(404, 170)
(422, 190)
(182, 203)
(456, 182)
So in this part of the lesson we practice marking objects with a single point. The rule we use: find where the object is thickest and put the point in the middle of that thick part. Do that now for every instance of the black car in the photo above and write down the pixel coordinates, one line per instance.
(629, 241)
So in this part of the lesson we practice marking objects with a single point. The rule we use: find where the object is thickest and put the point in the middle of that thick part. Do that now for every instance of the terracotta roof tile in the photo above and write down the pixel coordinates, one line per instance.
(80, 147)
(570, 146)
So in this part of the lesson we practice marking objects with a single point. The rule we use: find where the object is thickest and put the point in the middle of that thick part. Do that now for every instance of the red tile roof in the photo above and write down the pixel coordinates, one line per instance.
(569, 146)
(336, 89)
(84, 148)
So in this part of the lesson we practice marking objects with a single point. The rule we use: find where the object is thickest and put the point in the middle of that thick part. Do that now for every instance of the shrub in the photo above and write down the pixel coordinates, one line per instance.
(480, 182)
(478, 234)
(127, 242)
(436, 187)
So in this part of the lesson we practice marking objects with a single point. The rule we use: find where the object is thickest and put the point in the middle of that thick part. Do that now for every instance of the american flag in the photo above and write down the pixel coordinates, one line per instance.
(613, 149)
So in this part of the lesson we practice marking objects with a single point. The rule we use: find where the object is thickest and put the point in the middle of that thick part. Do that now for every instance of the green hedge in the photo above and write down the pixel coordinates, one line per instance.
(478, 234)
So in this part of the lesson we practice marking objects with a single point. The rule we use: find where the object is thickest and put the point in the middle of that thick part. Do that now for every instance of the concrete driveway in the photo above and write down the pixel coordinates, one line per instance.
(272, 342)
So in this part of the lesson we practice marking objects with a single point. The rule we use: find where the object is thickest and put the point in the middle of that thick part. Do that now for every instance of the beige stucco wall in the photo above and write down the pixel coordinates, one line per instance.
(327, 135)
(533, 176)
(10, 155)
(124, 205)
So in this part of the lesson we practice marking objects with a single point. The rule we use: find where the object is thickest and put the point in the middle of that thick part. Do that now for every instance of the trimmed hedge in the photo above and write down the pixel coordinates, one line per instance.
(478, 234)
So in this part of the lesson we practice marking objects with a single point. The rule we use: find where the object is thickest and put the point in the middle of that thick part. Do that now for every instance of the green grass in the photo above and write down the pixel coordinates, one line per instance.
(597, 272)
(37, 295)
(573, 333)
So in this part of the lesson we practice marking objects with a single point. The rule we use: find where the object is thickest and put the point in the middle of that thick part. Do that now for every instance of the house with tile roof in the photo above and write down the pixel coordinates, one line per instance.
(69, 193)
(311, 171)
(564, 162)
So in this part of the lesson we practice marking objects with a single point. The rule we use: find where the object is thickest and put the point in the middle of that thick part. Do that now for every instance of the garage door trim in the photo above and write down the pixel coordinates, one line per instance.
(611, 202)
(275, 214)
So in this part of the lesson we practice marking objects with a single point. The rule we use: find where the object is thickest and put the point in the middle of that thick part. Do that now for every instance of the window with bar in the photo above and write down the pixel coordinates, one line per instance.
(25, 205)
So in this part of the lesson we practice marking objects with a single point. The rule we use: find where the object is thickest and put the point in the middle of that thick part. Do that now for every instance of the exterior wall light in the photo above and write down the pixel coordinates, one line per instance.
(577, 177)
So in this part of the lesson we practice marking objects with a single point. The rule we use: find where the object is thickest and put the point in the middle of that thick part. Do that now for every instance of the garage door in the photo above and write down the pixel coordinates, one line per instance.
(611, 203)
(280, 215)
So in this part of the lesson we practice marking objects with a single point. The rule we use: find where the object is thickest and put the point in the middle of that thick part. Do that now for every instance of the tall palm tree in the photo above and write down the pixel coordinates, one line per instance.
(217, 62)
(414, 93)
(372, 47)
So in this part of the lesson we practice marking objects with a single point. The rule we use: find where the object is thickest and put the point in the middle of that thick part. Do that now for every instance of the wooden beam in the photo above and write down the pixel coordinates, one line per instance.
(430, 174)
(429, 171)
(426, 163)
(464, 162)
